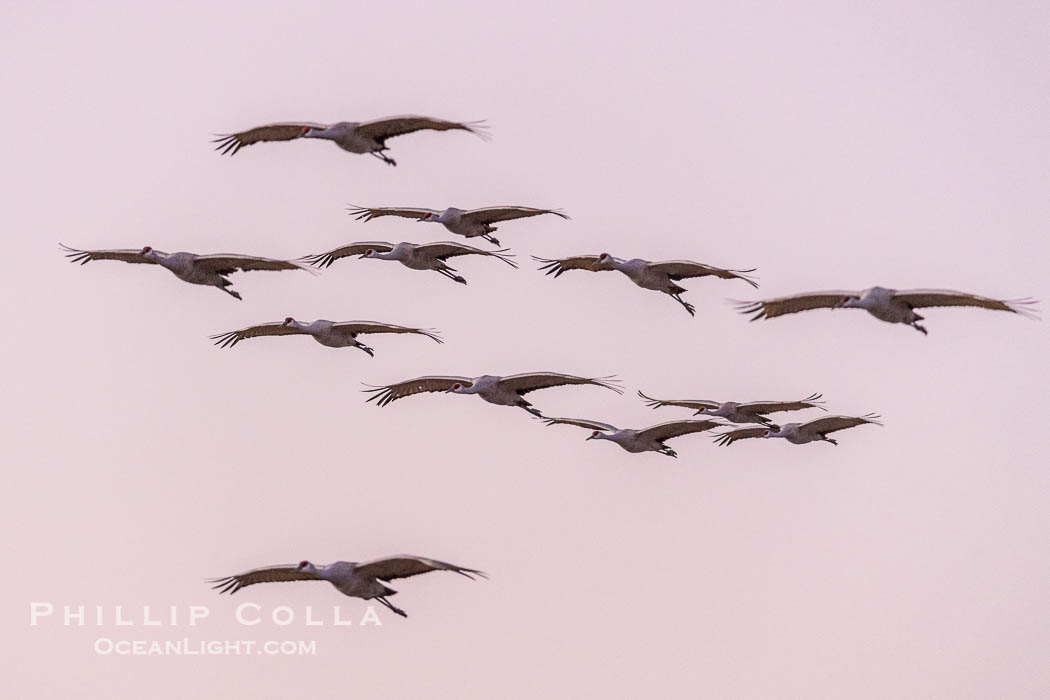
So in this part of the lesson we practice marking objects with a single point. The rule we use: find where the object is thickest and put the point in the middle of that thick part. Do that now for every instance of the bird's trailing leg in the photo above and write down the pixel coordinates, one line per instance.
(688, 307)
(665, 450)
(450, 273)
(384, 157)
(489, 228)
(825, 438)
(530, 408)
(224, 285)
(365, 348)
(915, 318)
(393, 608)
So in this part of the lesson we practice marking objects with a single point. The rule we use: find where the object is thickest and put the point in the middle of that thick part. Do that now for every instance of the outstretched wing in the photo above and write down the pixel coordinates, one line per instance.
(231, 143)
(491, 215)
(731, 436)
(228, 340)
(358, 327)
(684, 269)
(360, 248)
(674, 428)
(269, 574)
(534, 381)
(830, 424)
(557, 266)
(369, 213)
(389, 127)
(771, 308)
(694, 404)
(581, 422)
(812, 401)
(383, 395)
(225, 264)
(127, 255)
(443, 250)
(919, 298)
(405, 565)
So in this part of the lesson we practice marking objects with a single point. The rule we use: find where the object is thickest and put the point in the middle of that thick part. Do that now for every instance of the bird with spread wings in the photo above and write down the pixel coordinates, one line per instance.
(502, 391)
(470, 223)
(208, 270)
(355, 137)
(649, 439)
(357, 580)
(333, 334)
(799, 433)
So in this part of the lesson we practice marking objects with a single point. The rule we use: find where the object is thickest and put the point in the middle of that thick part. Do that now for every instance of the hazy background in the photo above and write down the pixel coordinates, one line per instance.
(883, 143)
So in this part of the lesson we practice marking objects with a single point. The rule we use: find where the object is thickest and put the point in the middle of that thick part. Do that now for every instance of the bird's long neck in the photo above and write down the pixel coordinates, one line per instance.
(159, 257)
(310, 328)
(328, 134)
(318, 571)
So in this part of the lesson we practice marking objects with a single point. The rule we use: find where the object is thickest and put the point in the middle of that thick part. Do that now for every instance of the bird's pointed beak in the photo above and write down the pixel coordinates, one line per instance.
(589, 437)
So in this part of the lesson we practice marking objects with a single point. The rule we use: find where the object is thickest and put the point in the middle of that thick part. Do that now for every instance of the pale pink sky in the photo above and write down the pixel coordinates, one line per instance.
(828, 147)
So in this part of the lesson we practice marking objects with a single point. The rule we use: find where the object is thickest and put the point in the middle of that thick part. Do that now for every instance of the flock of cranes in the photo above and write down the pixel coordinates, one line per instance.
(736, 420)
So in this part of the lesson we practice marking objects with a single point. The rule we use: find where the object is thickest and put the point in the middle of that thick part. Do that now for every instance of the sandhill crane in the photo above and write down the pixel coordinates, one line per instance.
(751, 412)
(209, 270)
(424, 256)
(502, 391)
(890, 305)
(464, 222)
(333, 334)
(649, 439)
(350, 578)
(657, 276)
(799, 433)
(355, 137)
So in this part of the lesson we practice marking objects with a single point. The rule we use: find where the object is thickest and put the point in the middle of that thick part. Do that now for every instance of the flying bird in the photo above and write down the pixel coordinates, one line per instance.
(799, 433)
(425, 256)
(649, 439)
(464, 222)
(332, 334)
(502, 391)
(355, 137)
(890, 305)
(364, 580)
(657, 276)
(209, 270)
(750, 412)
